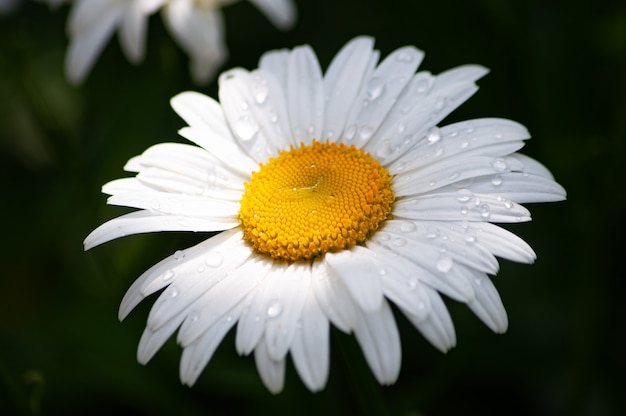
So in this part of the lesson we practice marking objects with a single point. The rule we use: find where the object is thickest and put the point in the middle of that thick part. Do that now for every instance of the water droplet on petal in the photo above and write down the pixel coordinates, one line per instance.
(366, 132)
(464, 210)
(433, 135)
(274, 309)
(432, 232)
(412, 283)
(407, 227)
(485, 211)
(193, 316)
(173, 292)
(444, 264)
(399, 241)
(499, 164)
(375, 88)
(213, 259)
(168, 275)
(464, 195)
(179, 255)
(496, 180)
(508, 204)
(350, 132)
(246, 128)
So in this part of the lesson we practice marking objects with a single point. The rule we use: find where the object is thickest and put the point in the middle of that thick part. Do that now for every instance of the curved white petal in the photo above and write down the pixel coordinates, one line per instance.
(272, 371)
(310, 349)
(379, 93)
(333, 298)
(342, 82)
(438, 328)
(305, 95)
(378, 337)
(360, 272)
(196, 356)
(487, 304)
(282, 13)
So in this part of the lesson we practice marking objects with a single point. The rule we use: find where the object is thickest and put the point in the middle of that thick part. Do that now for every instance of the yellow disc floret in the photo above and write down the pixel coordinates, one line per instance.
(315, 199)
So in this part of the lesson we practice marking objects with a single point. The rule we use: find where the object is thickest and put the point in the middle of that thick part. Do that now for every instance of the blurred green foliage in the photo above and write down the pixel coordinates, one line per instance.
(558, 67)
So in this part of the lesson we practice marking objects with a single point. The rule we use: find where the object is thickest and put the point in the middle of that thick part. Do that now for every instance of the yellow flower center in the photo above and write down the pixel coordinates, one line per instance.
(315, 199)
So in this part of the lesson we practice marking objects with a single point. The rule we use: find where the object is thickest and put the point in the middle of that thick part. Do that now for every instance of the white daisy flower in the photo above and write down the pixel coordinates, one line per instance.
(196, 24)
(337, 195)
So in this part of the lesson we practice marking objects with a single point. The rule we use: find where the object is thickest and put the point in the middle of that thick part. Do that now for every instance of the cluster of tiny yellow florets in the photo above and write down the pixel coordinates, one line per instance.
(315, 199)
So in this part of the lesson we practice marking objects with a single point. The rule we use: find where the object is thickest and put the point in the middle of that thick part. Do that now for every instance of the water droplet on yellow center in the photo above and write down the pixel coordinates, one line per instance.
(315, 199)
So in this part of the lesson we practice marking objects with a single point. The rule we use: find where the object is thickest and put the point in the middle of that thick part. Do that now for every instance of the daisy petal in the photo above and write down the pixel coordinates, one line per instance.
(378, 337)
(359, 271)
(282, 13)
(272, 371)
(305, 95)
(487, 304)
(437, 328)
(380, 92)
(139, 222)
(333, 298)
(503, 243)
(342, 82)
(196, 356)
(310, 348)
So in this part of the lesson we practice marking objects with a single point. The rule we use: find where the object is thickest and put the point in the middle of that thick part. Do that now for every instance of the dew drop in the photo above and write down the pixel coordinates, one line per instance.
(375, 88)
(244, 105)
(274, 309)
(173, 292)
(433, 135)
(155, 204)
(464, 144)
(261, 91)
(213, 259)
(470, 239)
(499, 164)
(422, 86)
(401, 127)
(432, 232)
(464, 210)
(366, 132)
(246, 128)
(168, 275)
(382, 271)
(444, 264)
(496, 180)
(350, 132)
(179, 255)
(201, 269)
(399, 241)
(485, 211)
(412, 283)
(407, 227)
(508, 204)
(193, 317)
(464, 195)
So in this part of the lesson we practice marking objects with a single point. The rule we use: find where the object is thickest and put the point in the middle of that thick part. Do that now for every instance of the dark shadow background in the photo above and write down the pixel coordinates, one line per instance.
(559, 67)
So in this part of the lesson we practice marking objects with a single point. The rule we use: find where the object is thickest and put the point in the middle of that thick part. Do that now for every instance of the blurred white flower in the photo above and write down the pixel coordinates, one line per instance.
(336, 195)
(197, 25)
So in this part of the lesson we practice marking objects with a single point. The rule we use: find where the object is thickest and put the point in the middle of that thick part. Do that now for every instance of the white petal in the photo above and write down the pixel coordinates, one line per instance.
(487, 304)
(342, 82)
(434, 268)
(520, 187)
(196, 356)
(285, 309)
(148, 222)
(360, 272)
(152, 341)
(305, 95)
(201, 111)
(258, 306)
(251, 110)
(276, 62)
(425, 102)
(310, 349)
(461, 205)
(503, 243)
(195, 284)
(480, 137)
(402, 286)
(380, 91)
(378, 337)
(177, 204)
(437, 328)
(133, 31)
(86, 44)
(333, 298)
(282, 13)
(272, 371)
(161, 274)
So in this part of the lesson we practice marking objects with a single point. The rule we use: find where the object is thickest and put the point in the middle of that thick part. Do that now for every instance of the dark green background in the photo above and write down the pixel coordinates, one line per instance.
(559, 67)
